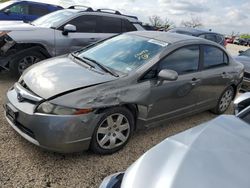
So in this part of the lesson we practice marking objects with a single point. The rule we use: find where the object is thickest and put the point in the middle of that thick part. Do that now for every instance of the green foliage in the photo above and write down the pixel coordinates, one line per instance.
(245, 36)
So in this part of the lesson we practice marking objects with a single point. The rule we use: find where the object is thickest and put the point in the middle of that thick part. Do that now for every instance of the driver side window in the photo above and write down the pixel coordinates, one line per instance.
(184, 60)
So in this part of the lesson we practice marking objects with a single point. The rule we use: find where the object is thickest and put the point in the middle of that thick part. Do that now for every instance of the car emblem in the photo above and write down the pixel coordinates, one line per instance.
(20, 97)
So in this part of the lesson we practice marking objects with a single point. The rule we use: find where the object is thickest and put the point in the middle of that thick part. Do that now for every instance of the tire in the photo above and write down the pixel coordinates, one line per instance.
(107, 132)
(224, 101)
(23, 60)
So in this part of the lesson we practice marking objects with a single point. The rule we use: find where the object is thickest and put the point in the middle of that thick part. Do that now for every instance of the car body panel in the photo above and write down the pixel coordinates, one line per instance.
(44, 79)
(206, 154)
(67, 82)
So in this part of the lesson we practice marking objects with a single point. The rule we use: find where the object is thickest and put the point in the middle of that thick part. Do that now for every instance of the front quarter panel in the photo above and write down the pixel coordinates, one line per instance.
(41, 36)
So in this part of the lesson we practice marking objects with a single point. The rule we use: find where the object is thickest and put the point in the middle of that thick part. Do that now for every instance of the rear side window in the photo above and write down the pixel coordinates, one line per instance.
(19, 8)
(111, 25)
(214, 57)
(127, 26)
(84, 24)
(38, 10)
(184, 60)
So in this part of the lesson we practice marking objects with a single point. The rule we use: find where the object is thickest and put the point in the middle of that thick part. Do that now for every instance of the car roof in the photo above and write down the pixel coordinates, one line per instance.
(193, 31)
(103, 13)
(166, 36)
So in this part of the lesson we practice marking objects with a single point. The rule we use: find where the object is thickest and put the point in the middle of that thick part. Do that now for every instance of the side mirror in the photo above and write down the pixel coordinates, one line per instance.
(7, 11)
(167, 74)
(69, 29)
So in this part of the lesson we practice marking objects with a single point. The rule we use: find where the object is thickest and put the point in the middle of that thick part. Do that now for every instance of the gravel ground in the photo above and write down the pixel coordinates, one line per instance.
(25, 165)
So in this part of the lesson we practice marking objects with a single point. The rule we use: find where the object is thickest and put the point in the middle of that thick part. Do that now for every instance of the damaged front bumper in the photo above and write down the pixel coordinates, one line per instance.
(59, 133)
(6, 43)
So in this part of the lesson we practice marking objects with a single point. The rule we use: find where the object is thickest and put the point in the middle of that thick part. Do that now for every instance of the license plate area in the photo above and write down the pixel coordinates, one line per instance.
(11, 112)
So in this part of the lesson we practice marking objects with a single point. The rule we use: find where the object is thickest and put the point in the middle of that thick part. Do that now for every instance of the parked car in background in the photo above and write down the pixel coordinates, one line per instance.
(96, 97)
(213, 154)
(25, 10)
(229, 40)
(241, 41)
(59, 33)
(244, 58)
(149, 27)
(216, 37)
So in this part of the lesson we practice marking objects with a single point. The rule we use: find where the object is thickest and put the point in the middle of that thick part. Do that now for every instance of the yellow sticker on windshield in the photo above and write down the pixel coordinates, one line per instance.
(143, 55)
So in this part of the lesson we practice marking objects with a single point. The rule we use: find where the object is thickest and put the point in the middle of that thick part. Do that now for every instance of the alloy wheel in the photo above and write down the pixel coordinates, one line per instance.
(26, 62)
(226, 100)
(113, 131)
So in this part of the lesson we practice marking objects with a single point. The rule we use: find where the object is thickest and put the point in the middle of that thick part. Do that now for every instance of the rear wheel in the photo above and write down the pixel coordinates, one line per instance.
(224, 101)
(113, 131)
(23, 60)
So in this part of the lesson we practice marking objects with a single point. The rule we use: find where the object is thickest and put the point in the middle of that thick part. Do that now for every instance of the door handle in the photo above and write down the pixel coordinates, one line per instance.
(194, 81)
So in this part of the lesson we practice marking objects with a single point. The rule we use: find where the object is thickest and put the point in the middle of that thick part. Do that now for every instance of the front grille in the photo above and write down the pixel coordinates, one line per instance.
(22, 83)
(246, 75)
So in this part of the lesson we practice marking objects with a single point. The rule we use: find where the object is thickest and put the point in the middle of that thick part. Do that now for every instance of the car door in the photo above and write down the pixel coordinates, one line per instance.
(17, 11)
(171, 99)
(86, 33)
(216, 75)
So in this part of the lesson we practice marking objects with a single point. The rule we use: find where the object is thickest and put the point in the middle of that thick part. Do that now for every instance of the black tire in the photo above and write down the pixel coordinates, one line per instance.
(218, 110)
(20, 56)
(95, 146)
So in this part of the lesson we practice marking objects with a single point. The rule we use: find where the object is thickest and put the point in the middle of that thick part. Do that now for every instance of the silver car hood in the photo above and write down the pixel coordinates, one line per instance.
(215, 154)
(15, 26)
(61, 74)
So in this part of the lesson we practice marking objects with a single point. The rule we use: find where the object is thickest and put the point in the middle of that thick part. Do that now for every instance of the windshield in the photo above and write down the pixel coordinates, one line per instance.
(53, 19)
(124, 53)
(6, 4)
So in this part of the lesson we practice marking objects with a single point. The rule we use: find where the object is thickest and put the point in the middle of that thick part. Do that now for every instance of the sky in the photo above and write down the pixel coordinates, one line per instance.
(224, 16)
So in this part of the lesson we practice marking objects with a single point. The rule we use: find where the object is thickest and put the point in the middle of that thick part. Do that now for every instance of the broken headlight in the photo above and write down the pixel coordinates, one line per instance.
(48, 108)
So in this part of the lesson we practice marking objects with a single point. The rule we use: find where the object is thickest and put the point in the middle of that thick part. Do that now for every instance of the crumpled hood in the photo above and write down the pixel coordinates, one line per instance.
(15, 26)
(215, 154)
(245, 60)
(57, 75)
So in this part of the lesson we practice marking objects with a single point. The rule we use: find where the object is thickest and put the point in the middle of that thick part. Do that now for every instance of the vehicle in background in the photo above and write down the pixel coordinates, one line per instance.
(215, 37)
(25, 10)
(241, 41)
(213, 154)
(230, 40)
(57, 33)
(149, 27)
(244, 58)
(96, 97)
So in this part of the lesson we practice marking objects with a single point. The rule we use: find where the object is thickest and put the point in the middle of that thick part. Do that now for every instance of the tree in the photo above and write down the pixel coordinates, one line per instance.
(1, 1)
(193, 22)
(155, 21)
(167, 24)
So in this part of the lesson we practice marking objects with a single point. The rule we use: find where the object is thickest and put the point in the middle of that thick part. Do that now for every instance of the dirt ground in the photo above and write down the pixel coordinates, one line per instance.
(25, 165)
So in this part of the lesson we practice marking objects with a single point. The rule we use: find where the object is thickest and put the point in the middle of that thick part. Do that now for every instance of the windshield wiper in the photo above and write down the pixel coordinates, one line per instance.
(82, 60)
(106, 69)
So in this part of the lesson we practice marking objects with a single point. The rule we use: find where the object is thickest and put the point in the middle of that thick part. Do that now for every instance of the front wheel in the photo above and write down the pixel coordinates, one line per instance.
(113, 131)
(224, 101)
(23, 60)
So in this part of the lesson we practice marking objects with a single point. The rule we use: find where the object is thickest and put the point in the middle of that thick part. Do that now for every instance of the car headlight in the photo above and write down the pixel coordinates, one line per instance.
(48, 108)
(2, 33)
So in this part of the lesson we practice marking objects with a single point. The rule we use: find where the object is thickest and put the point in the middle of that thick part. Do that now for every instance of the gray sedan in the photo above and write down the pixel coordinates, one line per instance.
(214, 154)
(96, 97)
